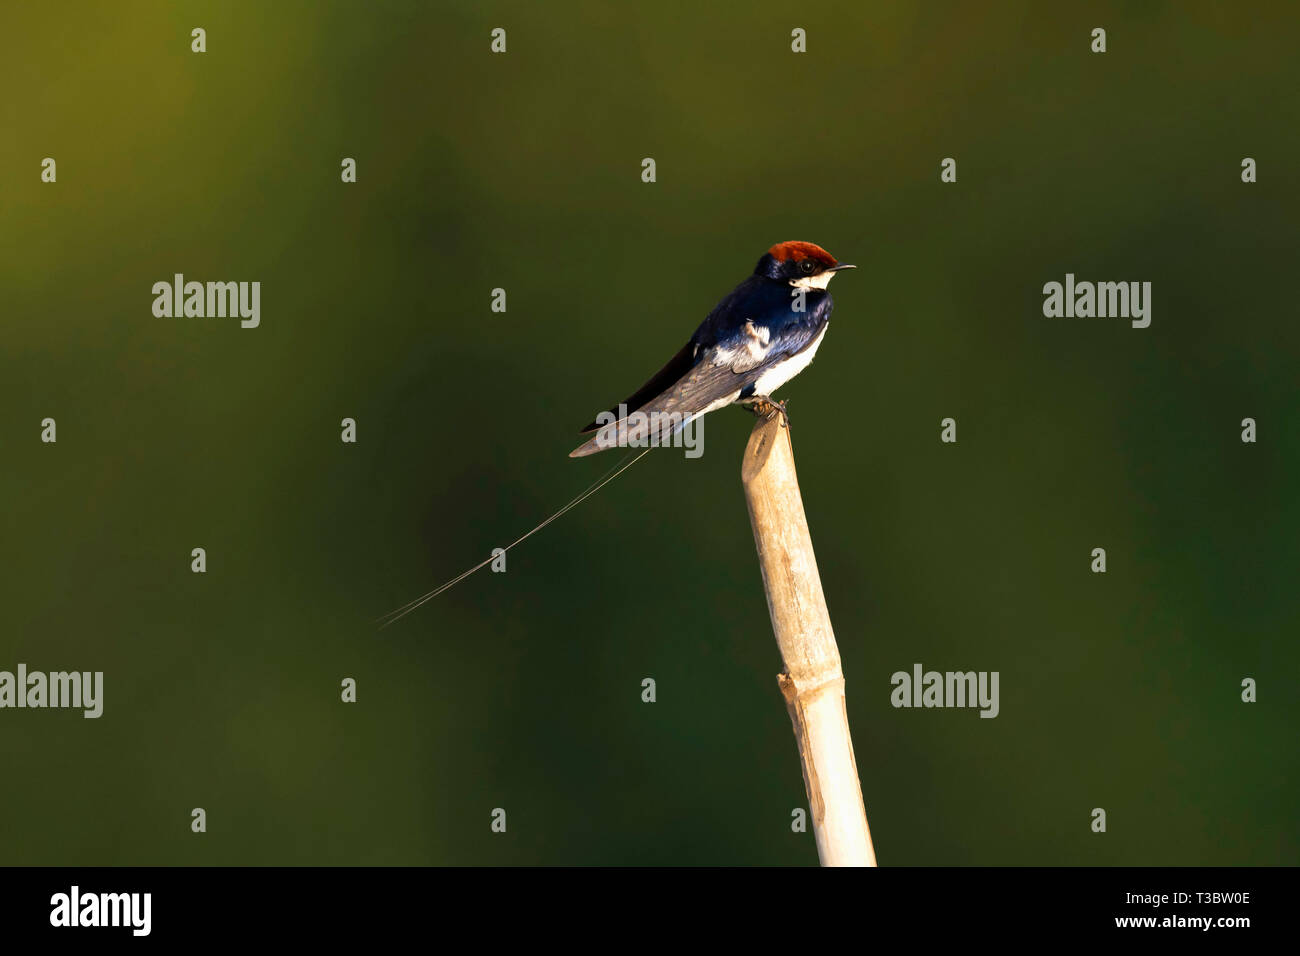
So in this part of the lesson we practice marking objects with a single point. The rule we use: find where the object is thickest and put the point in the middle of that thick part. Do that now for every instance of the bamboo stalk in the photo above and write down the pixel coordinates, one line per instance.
(813, 682)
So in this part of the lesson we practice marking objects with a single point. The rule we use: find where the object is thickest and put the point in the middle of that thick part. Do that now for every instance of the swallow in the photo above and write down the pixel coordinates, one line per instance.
(754, 341)
(764, 333)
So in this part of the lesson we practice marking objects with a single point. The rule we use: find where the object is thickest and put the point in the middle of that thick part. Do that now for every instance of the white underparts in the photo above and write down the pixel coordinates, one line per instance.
(782, 372)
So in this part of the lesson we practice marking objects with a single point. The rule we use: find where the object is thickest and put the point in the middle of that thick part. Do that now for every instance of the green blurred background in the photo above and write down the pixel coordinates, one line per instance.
(522, 171)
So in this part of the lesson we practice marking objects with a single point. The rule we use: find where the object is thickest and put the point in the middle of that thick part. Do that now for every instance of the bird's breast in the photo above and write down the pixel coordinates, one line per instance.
(776, 376)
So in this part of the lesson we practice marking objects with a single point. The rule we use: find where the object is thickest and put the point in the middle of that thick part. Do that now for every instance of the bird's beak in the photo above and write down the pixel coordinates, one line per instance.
(842, 265)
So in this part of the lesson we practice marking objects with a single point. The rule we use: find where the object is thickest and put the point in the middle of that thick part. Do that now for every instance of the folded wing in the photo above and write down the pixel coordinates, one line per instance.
(718, 375)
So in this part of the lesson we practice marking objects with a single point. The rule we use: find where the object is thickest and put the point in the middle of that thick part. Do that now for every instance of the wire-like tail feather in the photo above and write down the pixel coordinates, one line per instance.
(397, 614)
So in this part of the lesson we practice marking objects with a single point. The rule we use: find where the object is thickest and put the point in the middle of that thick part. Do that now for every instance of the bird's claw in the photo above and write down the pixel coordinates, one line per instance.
(765, 406)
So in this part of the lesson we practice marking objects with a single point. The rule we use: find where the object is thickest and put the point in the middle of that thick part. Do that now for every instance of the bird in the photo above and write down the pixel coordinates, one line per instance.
(761, 335)
(764, 333)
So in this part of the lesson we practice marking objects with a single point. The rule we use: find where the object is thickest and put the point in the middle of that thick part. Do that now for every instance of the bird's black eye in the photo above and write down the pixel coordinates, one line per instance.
(807, 267)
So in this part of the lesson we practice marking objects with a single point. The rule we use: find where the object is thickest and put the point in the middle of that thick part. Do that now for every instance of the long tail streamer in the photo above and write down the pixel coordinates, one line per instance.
(396, 615)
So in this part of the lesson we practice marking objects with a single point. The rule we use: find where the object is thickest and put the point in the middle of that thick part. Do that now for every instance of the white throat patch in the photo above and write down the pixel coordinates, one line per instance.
(813, 282)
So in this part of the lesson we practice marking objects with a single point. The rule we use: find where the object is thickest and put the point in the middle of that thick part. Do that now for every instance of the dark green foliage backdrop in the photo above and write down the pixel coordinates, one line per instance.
(522, 171)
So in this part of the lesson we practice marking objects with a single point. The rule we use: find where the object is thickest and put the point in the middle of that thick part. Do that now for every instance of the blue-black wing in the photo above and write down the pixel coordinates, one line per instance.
(728, 353)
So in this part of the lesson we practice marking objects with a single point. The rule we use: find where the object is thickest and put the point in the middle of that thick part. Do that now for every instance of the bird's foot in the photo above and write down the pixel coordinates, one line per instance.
(765, 406)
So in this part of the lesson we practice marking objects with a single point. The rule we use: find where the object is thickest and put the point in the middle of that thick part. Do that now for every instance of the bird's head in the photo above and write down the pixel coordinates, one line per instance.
(802, 264)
